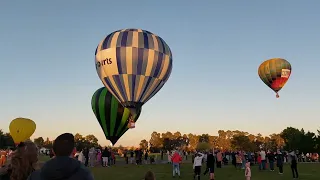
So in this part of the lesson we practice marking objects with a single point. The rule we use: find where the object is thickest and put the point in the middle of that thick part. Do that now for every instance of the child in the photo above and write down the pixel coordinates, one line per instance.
(259, 160)
(248, 171)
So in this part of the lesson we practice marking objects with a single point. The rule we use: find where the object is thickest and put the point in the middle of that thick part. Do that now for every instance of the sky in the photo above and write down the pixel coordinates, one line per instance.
(47, 69)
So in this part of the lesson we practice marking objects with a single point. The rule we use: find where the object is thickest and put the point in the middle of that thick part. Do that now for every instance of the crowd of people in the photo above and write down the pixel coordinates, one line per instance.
(20, 163)
(107, 157)
(240, 160)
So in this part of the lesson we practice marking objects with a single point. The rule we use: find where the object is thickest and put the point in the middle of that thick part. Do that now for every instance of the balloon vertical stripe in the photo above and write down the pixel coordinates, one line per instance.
(111, 115)
(133, 64)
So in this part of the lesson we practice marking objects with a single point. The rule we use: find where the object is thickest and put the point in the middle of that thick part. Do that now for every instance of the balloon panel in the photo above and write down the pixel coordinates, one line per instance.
(21, 129)
(111, 115)
(275, 73)
(133, 64)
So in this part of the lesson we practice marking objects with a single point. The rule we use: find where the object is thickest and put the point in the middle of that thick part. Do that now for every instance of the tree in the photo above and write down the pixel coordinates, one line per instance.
(156, 142)
(47, 143)
(6, 140)
(229, 140)
(223, 141)
(143, 144)
(167, 144)
(241, 142)
(203, 146)
(292, 138)
(193, 141)
(308, 142)
(39, 141)
(92, 140)
(204, 138)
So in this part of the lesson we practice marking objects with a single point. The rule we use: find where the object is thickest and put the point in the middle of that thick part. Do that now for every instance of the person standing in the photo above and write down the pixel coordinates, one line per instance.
(263, 159)
(81, 157)
(280, 159)
(176, 160)
(210, 165)
(294, 164)
(92, 157)
(248, 171)
(169, 157)
(219, 159)
(271, 160)
(131, 157)
(125, 157)
(86, 155)
(197, 165)
(146, 155)
(105, 157)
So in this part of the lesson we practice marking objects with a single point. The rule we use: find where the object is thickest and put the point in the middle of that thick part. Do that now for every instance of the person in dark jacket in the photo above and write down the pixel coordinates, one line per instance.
(294, 164)
(210, 165)
(105, 157)
(280, 159)
(86, 155)
(63, 166)
(271, 160)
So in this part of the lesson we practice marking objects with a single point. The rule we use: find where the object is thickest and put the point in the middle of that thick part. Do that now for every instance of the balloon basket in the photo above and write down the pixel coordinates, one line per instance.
(131, 125)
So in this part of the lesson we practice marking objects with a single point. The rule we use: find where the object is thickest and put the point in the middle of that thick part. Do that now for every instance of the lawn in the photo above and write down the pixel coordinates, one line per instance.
(308, 171)
(163, 172)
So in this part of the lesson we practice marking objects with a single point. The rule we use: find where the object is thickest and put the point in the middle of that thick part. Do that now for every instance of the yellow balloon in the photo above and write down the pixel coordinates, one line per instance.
(21, 129)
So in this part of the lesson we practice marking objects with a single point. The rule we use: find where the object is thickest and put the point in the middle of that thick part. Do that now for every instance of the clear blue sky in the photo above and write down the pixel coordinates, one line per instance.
(48, 72)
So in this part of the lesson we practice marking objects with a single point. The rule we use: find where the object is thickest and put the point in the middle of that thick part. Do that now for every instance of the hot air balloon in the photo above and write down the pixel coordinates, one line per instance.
(275, 73)
(111, 115)
(21, 129)
(133, 64)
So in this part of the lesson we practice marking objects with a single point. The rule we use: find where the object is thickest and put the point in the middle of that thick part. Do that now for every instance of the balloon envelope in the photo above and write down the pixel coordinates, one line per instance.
(21, 129)
(111, 115)
(133, 64)
(275, 73)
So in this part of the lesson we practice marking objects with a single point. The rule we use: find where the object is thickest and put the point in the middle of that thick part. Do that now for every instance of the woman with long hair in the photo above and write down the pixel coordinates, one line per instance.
(22, 163)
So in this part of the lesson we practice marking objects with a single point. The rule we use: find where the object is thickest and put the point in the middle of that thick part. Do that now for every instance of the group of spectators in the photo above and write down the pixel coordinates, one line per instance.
(22, 164)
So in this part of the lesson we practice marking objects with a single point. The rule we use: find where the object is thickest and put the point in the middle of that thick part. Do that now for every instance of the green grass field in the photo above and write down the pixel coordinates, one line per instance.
(308, 171)
(163, 172)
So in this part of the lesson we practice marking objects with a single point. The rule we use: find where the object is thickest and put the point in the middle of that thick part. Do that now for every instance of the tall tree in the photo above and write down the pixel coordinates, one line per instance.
(156, 141)
(241, 142)
(39, 141)
(143, 144)
(204, 138)
(47, 143)
(292, 138)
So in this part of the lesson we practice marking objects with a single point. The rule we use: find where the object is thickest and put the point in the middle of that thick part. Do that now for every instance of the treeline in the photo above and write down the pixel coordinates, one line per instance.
(289, 139)
(80, 141)
(5, 140)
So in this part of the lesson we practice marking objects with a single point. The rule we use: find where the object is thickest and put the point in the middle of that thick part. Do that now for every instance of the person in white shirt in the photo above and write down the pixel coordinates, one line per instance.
(81, 157)
(197, 165)
(263, 159)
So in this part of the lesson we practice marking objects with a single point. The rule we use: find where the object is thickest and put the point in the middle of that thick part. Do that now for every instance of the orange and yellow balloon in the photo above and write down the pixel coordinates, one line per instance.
(275, 73)
(21, 129)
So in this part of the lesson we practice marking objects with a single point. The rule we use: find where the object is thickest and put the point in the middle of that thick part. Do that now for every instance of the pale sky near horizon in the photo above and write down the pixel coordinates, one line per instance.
(48, 72)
